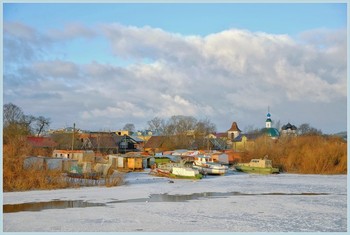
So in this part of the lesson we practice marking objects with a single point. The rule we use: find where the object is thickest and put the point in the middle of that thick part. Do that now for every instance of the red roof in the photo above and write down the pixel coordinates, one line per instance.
(41, 142)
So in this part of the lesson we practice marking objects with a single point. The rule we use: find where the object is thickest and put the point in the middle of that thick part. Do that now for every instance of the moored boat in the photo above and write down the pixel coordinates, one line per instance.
(176, 170)
(205, 166)
(259, 166)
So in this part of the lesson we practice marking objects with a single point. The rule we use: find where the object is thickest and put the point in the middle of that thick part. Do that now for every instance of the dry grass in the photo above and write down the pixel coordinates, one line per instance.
(304, 154)
(16, 178)
(115, 179)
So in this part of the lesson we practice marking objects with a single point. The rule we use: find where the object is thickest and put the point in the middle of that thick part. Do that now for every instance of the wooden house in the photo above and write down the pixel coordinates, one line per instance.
(41, 145)
(129, 163)
(156, 144)
(79, 155)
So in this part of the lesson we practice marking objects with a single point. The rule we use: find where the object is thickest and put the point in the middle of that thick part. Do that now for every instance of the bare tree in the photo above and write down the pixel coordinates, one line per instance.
(12, 114)
(307, 129)
(178, 125)
(41, 124)
(205, 127)
(156, 125)
(15, 125)
(129, 127)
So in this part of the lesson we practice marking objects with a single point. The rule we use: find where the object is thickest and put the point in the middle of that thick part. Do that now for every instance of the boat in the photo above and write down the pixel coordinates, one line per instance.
(206, 166)
(259, 166)
(176, 170)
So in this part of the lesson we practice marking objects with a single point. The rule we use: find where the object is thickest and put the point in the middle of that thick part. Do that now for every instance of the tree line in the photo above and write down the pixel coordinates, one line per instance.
(16, 122)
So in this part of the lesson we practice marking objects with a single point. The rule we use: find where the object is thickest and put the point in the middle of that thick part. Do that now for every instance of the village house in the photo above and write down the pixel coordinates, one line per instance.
(157, 144)
(79, 155)
(244, 142)
(41, 145)
(144, 135)
(110, 142)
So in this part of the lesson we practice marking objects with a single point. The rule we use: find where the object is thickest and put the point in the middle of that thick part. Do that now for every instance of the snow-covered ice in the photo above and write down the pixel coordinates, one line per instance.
(260, 203)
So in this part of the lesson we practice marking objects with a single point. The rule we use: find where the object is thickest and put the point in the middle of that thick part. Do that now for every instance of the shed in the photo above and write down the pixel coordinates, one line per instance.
(130, 162)
(134, 163)
(49, 163)
(33, 162)
(53, 163)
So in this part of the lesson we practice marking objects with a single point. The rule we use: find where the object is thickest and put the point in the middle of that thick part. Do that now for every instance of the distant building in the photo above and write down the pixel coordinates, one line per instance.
(289, 130)
(233, 132)
(122, 132)
(41, 142)
(110, 142)
(145, 135)
(270, 131)
(245, 141)
(41, 145)
(79, 155)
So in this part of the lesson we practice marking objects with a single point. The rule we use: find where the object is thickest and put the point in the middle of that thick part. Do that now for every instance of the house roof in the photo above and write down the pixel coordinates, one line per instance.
(155, 142)
(108, 140)
(103, 142)
(251, 136)
(137, 139)
(234, 127)
(221, 135)
(41, 142)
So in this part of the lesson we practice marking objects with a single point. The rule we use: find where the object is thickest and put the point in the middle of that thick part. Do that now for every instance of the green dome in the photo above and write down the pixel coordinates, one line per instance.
(271, 132)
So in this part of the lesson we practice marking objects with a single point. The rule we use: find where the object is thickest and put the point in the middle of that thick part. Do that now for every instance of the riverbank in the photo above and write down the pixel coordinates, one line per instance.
(236, 202)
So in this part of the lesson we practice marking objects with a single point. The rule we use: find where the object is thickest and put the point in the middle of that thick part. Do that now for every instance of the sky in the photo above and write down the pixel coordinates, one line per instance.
(103, 65)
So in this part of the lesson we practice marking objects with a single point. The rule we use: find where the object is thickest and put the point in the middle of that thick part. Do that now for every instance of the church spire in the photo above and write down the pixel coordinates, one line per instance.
(268, 118)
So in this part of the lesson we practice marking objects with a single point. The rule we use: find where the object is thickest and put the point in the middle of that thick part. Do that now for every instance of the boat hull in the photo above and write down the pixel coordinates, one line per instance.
(257, 170)
(211, 171)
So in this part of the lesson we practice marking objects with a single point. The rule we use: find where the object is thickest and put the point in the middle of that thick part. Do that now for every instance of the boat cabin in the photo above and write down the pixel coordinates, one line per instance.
(260, 163)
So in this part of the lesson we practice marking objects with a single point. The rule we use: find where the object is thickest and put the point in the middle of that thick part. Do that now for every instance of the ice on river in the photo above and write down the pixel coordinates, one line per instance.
(231, 203)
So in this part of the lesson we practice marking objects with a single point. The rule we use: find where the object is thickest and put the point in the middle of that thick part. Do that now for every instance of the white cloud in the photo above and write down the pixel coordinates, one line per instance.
(72, 31)
(225, 73)
(56, 69)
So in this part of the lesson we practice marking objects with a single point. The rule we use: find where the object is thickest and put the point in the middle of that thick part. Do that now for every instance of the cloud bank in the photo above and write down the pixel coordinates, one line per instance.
(233, 75)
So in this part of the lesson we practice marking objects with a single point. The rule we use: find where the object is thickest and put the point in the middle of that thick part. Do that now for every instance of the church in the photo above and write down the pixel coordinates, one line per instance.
(243, 141)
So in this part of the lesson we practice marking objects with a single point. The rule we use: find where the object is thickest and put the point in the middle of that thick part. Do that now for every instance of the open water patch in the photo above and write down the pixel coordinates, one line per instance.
(206, 195)
(65, 204)
(55, 204)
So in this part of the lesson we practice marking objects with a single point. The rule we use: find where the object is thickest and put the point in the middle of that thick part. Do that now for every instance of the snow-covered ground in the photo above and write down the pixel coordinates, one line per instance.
(257, 203)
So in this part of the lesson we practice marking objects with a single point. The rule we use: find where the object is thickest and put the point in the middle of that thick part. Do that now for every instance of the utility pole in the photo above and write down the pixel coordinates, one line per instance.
(73, 136)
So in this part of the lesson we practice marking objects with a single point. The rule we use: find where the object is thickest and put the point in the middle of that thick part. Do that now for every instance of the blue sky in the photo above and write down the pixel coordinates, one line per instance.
(188, 19)
(245, 56)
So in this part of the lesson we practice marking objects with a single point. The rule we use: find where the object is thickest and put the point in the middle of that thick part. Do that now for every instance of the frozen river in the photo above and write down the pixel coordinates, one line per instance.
(231, 203)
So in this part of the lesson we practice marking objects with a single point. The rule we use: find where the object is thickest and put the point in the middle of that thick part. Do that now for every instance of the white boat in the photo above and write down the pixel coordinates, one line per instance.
(176, 170)
(206, 166)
